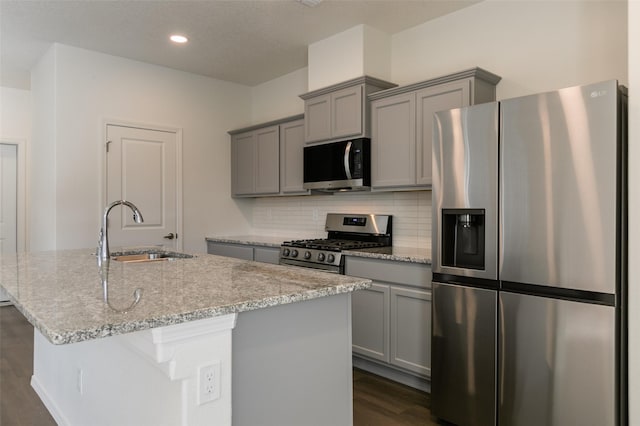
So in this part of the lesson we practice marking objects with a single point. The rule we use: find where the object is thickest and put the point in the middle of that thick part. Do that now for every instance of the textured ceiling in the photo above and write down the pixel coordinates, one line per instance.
(243, 41)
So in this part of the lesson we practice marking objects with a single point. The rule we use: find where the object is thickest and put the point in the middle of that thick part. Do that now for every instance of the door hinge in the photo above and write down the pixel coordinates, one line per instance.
(107, 145)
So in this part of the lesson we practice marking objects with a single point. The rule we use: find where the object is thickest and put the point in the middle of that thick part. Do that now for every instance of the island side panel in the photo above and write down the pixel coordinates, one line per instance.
(292, 364)
(98, 382)
(148, 377)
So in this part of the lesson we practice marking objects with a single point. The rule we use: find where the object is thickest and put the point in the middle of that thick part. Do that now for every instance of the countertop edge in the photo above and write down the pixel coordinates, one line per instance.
(252, 241)
(261, 241)
(392, 257)
(107, 330)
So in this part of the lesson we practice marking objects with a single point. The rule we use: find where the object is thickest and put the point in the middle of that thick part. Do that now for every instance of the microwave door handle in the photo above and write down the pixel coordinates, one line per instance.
(347, 154)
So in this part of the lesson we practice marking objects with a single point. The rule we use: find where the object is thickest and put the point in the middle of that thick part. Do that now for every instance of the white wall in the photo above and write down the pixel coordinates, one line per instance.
(336, 58)
(534, 45)
(279, 98)
(361, 50)
(15, 128)
(88, 88)
(15, 113)
(634, 206)
(377, 53)
(42, 164)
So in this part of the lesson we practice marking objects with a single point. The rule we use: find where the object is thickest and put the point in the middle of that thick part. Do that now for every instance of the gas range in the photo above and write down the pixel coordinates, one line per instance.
(363, 232)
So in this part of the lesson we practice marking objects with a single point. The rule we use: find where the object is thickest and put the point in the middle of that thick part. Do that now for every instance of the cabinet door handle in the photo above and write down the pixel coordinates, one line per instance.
(170, 236)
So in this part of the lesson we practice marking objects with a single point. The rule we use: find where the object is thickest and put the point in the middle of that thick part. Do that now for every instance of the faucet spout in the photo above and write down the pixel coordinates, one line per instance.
(103, 241)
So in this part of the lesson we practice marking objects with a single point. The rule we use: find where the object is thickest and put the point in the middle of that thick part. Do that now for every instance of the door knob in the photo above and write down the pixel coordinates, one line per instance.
(170, 236)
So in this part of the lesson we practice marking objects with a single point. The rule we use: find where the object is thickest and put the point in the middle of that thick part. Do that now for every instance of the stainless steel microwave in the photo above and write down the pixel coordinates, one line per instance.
(338, 166)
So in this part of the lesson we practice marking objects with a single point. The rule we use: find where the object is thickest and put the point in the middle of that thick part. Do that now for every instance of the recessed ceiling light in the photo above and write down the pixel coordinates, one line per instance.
(177, 38)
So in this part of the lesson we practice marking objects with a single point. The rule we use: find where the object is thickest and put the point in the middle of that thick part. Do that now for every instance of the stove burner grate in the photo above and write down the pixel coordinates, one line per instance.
(333, 244)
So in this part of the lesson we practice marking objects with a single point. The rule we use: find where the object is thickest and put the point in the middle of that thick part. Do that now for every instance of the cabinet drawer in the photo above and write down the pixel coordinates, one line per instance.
(405, 273)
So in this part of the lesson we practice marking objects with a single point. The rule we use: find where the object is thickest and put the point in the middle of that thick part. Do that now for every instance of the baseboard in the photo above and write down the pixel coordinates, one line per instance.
(392, 374)
(48, 402)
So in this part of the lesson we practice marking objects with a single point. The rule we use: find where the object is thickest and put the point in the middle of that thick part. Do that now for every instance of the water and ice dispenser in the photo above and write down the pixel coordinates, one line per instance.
(463, 238)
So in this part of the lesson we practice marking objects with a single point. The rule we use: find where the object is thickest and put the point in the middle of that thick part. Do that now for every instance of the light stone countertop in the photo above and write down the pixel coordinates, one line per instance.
(398, 254)
(251, 240)
(61, 292)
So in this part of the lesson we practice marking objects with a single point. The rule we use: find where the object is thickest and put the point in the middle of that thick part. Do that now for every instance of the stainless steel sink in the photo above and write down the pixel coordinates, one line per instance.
(148, 256)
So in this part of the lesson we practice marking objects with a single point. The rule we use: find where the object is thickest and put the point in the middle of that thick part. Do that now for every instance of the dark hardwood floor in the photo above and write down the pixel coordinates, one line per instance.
(381, 402)
(376, 400)
(19, 403)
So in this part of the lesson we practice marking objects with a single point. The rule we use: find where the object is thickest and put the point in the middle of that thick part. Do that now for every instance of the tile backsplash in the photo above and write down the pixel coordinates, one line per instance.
(304, 217)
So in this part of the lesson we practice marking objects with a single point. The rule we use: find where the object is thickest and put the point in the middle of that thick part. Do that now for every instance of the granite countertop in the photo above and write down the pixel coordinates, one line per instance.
(61, 293)
(398, 254)
(252, 240)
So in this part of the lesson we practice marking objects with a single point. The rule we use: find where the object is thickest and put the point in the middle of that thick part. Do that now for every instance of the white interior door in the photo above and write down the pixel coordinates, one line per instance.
(142, 167)
(8, 203)
(8, 198)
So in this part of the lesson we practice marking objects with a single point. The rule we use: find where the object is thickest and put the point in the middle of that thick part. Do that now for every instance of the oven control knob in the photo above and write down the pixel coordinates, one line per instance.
(321, 257)
(285, 252)
(331, 258)
(307, 255)
(294, 253)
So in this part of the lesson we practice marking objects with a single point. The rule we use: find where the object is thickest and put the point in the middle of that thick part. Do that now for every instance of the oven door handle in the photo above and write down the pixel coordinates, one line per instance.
(347, 154)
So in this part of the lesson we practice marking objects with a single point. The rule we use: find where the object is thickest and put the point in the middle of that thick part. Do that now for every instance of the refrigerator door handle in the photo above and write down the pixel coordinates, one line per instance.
(501, 356)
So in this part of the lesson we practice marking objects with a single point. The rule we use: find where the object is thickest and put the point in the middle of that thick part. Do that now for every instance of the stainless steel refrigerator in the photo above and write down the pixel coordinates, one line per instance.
(530, 260)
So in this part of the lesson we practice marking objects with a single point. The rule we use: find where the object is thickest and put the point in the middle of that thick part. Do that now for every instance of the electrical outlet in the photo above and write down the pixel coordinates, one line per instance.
(315, 215)
(208, 383)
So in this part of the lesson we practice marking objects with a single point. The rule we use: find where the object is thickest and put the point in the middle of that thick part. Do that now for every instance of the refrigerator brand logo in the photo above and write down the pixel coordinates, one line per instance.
(598, 93)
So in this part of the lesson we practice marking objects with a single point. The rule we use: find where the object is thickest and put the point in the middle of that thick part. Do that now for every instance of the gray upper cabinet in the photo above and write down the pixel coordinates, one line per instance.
(291, 157)
(242, 163)
(394, 130)
(402, 125)
(255, 168)
(340, 111)
(266, 159)
(317, 112)
(346, 112)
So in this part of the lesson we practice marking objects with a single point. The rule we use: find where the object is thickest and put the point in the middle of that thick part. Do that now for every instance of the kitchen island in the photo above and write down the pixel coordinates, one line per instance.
(206, 331)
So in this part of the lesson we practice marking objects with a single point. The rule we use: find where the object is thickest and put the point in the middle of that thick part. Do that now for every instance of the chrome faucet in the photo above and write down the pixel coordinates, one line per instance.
(103, 241)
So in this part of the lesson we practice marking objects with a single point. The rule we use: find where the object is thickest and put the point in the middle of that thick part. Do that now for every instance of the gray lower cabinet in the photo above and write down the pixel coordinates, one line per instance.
(239, 251)
(266, 254)
(267, 159)
(402, 125)
(410, 325)
(391, 321)
(370, 322)
(245, 251)
(341, 110)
